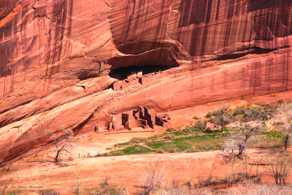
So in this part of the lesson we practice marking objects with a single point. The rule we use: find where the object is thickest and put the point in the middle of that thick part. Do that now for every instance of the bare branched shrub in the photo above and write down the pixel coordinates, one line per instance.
(173, 191)
(228, 181)
(60, 150)
(105, 188)
(256, 189)
(238, 141)
(280, 171)
(153, 182)
(77, 188)
(48, 192)
(250, 129)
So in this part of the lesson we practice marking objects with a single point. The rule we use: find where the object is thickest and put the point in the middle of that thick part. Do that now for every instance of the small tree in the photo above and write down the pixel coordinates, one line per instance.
(59, 151)
(250, 129)
(238, 140)
(153, 181)
(219, 117)
(283, 119)
(280, 171)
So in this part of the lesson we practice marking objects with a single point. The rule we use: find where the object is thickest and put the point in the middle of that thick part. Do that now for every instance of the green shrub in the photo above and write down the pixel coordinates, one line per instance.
(224, 116)
(274, 135)
(200, 125)
(219, 117)
(252, 113)
(12, 193)
(171, 146)
(136, 149)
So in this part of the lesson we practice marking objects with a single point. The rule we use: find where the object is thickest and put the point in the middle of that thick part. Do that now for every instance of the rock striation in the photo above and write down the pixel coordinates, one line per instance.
(68, 65)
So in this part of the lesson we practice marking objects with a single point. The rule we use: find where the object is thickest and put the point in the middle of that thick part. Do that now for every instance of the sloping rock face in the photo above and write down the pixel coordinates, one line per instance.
(66, 65)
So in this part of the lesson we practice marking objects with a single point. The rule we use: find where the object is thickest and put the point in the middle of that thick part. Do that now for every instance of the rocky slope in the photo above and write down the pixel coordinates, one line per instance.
(72, 65)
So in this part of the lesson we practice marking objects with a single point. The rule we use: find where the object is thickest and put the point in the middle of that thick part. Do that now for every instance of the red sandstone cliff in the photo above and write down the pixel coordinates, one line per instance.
(64, 63)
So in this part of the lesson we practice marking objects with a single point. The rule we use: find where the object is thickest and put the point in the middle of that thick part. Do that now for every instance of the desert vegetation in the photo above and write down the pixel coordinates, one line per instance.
(189, 139)
(105, 188)
(237, 128)
(229, 130)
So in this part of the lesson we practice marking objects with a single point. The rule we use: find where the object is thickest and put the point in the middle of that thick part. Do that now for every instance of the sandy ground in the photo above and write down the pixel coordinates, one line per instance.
(132, 172)
(81, 169)
(93, 144)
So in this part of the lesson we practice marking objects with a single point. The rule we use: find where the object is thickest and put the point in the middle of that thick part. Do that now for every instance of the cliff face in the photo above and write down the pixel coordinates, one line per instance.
(203, 28)
(62, 62)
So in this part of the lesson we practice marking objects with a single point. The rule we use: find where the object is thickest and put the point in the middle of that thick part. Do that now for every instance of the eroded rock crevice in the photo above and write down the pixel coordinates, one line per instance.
(243, 52)
(128, 72)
